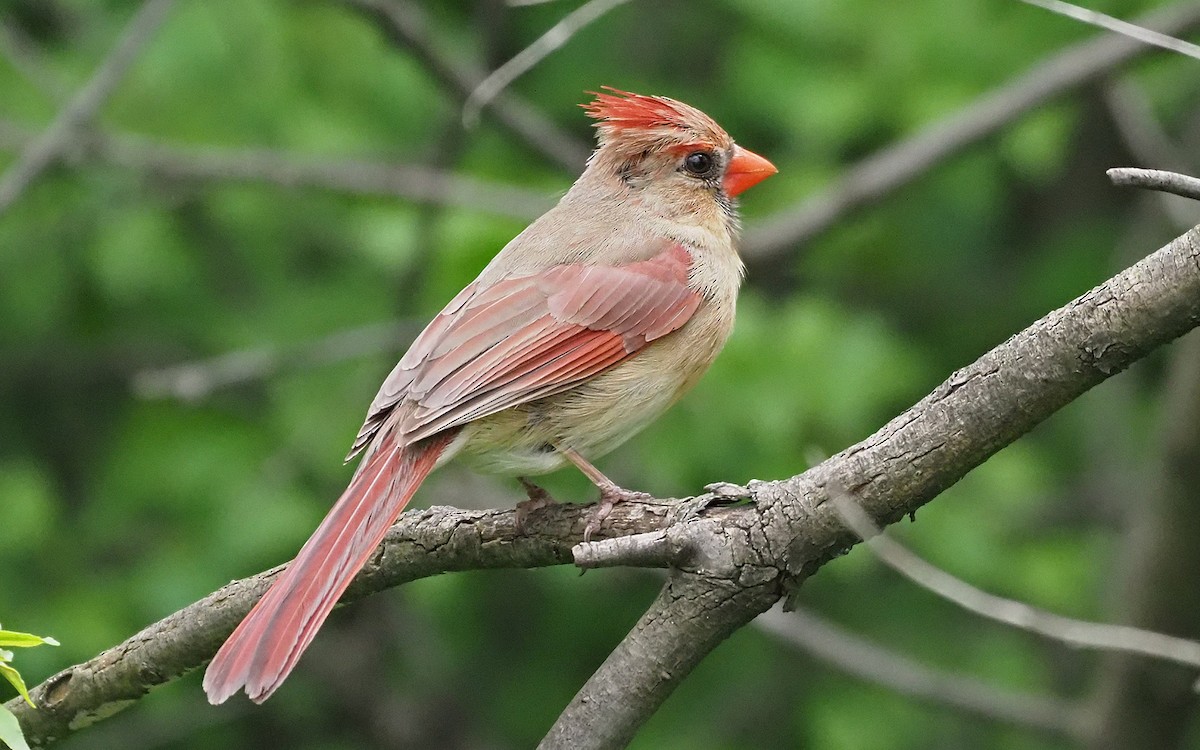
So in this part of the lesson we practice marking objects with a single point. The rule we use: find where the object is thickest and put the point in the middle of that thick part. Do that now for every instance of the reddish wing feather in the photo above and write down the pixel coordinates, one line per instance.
(518, 340)
(529, 337)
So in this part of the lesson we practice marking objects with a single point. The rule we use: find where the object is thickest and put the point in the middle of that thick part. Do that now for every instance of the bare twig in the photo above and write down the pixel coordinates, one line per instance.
(84, 105)
(364, 177)
(1131, 30)
(1078, 633)
(890, 169)
(416, 183)
(404, 23)
(882, 666)
(195, 380)
(1156, 179)
(1149, 143)
(521, 63)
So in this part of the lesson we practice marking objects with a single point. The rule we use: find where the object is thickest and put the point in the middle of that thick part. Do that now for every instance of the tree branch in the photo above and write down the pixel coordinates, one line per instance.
(1156, 179)
(1078, 633)
(748, 557)
(524, 61)
(871, 662)
(1117, 26)
(404, 23)
(421, 544)
(356, 176)
(85, 103)
(742, 558)
(192, 381)
(880, 174)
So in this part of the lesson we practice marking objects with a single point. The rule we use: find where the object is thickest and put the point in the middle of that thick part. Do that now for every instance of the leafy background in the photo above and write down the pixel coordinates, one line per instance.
(118, 505)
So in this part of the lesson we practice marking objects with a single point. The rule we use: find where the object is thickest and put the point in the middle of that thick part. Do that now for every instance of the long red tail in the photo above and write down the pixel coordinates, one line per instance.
(267, 644)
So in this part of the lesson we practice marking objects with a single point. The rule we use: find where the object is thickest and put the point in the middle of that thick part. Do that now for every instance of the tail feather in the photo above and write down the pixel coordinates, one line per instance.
(269, 641)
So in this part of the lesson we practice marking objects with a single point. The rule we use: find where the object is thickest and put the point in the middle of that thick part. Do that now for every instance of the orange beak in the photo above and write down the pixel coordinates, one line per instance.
(746, 169)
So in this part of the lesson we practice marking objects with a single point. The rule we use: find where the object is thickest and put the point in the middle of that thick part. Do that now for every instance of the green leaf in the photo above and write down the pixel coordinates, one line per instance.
(10, 730)
(14, 677)
(23, 640)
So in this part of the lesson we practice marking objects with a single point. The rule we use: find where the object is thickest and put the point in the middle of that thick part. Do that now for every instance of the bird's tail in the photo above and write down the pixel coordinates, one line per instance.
(267, 644)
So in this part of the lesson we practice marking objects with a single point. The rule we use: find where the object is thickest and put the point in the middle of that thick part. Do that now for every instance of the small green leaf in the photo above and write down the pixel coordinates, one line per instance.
(14, 677)
(23, 640)
(10, 730)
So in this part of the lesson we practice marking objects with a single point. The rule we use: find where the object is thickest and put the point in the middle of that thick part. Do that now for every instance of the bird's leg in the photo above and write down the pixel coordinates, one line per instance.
(538, 499)
(610, 492)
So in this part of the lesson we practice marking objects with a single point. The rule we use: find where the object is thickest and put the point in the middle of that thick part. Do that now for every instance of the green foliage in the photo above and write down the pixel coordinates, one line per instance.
(117, 509)
(10, 730)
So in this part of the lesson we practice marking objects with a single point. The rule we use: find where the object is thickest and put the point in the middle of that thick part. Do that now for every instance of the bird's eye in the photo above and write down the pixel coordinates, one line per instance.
(699, 163)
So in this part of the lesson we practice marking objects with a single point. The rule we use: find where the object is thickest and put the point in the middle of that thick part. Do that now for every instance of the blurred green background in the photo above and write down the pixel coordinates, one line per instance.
(123, 499)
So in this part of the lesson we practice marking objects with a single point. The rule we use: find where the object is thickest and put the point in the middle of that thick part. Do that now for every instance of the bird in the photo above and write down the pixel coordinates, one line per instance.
(580, 332)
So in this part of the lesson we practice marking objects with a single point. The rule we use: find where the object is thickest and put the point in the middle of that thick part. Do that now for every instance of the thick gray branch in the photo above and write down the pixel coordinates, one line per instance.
(746, 558)
(740, 559)
(423, 543)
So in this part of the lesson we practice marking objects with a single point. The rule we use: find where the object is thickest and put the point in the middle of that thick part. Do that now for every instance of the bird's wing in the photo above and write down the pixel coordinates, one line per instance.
(529, 337)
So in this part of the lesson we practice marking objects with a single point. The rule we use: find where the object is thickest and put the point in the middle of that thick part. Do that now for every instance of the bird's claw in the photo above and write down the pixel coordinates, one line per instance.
(610, 495)
(538, 499)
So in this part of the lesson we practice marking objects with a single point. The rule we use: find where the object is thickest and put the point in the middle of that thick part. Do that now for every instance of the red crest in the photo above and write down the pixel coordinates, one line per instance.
(619, 110)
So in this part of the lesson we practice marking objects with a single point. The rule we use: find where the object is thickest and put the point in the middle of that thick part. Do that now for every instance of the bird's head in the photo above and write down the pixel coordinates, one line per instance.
(656, 144)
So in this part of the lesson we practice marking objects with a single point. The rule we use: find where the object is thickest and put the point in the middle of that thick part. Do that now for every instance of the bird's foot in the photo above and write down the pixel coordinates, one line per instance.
(610, 495)
(538, 499)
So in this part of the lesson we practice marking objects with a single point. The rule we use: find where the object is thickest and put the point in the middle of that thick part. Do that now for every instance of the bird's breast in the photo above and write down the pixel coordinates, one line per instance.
(599, 414)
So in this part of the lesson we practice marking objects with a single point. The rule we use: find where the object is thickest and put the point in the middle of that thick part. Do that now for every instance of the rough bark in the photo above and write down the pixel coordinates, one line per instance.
(728, 563)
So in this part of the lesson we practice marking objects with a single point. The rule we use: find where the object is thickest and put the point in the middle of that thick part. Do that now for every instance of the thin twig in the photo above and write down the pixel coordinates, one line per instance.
(903, 162)
(1116, 25)
(404, 22)
(85, 103)
(194, 380)
(1077, 633)
(1156, 179)
(357, 176)
(1149, 143)
(524, 61)
(417, 183)
(874, 663)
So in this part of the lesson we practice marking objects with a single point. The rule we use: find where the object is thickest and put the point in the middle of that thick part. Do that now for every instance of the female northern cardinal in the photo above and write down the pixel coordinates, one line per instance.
(580, 332)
